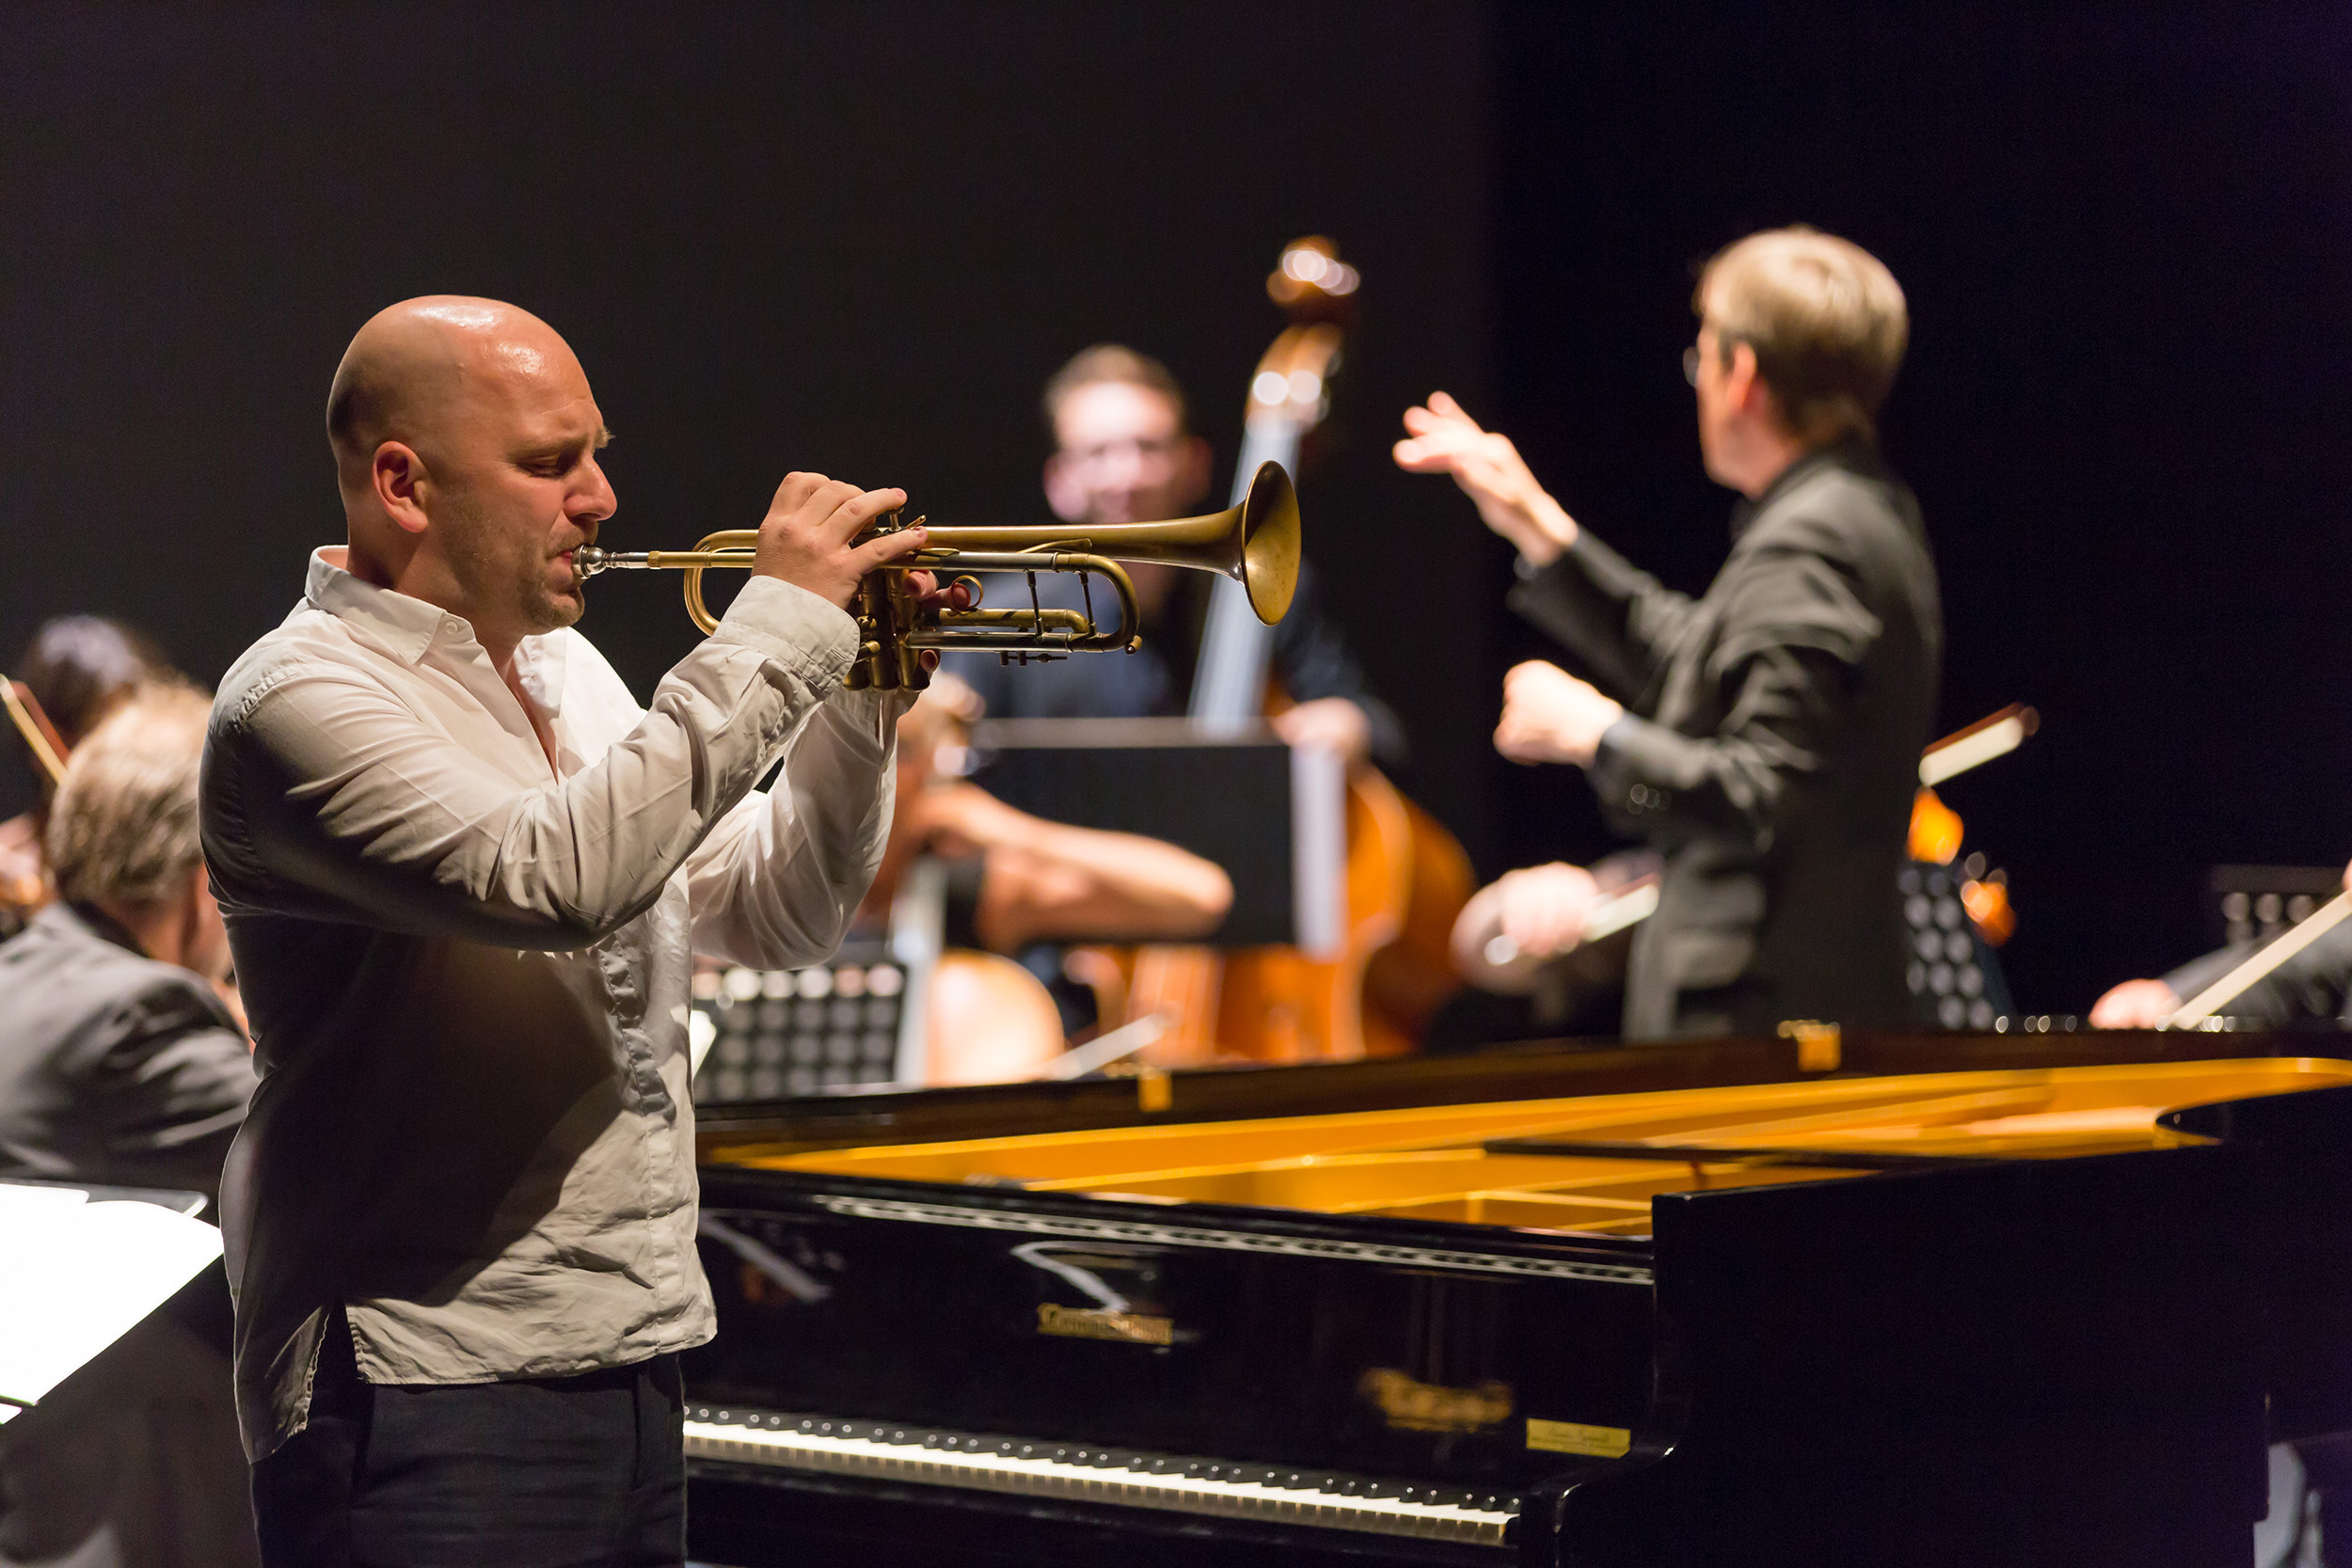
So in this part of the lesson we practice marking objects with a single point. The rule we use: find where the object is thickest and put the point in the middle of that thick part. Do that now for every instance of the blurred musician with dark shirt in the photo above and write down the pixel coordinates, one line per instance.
(1122, 454)
(1764, 738)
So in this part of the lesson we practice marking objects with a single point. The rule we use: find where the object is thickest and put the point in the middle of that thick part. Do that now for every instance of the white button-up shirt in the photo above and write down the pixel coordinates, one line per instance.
(468, 972)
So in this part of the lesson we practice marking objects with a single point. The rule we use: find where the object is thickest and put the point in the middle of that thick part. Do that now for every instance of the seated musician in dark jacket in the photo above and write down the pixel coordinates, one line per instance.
(120, 1061)
(120, 1065)
(1122, 455)
(1765, 738)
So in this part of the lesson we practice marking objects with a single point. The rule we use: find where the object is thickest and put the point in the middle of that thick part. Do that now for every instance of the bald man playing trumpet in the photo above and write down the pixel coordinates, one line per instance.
(463, 873)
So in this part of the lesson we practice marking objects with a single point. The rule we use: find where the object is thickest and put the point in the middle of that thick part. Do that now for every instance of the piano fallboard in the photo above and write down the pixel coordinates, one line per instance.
(1388, 1349)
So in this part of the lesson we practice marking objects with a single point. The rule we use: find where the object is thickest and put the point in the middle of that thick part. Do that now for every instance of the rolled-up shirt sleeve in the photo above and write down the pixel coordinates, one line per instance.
(374, 812)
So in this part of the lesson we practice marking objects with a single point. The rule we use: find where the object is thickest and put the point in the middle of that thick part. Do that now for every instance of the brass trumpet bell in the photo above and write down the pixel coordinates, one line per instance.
(1255, 544)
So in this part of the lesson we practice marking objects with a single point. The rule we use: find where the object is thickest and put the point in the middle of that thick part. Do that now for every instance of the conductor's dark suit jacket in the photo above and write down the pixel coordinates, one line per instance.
(1770, 748)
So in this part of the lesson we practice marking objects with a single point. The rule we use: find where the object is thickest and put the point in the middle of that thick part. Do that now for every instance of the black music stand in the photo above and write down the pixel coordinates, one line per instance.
(1273, 816)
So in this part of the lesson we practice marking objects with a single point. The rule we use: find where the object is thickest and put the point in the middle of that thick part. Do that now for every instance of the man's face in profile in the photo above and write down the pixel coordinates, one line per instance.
(518, 486)
(1123, 457)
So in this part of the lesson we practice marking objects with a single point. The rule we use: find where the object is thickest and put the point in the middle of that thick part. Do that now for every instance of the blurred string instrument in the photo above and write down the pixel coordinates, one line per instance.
(23, 889)
(1405, 878)
(41, 735)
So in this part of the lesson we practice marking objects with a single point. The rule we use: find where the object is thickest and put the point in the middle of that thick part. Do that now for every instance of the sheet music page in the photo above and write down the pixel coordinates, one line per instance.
(76, 1275)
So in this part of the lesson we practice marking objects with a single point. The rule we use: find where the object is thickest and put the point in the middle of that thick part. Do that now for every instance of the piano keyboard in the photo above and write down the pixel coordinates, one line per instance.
(1082, 1473)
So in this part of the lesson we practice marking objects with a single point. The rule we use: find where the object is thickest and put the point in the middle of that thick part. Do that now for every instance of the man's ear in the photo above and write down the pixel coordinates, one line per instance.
(398, 476)
(1192, 472)
(1063, 493)
(1743, 386)
(1747, 390)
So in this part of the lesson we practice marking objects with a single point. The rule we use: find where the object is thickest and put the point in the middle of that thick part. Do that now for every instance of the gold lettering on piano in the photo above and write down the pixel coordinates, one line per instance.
(1575, 1437)
(1414, 1406)
(1100, 1322)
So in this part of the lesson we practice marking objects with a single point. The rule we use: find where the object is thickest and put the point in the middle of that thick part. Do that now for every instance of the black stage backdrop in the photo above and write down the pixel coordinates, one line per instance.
(858, 238)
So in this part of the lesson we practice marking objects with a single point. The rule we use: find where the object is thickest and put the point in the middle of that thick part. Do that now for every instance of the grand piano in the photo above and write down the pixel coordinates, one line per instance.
(1808, 1304)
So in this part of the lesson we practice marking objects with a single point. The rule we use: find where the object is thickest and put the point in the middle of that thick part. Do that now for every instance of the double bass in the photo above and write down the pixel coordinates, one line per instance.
(1405, 876)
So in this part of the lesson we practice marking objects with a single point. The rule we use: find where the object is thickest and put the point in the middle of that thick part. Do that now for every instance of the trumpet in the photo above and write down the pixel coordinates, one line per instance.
(1255, 544)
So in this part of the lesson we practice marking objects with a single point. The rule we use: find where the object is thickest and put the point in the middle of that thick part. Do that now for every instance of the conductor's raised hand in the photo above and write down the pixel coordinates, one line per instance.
(1443, 438)
(807, 537)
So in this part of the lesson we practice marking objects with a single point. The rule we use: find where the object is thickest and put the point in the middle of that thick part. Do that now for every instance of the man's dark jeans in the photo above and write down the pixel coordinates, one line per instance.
(548, 1473)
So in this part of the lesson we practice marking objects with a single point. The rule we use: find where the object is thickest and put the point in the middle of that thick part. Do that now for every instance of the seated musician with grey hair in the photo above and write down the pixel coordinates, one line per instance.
(120, 1062)
(1763, 738)
(120, 1066)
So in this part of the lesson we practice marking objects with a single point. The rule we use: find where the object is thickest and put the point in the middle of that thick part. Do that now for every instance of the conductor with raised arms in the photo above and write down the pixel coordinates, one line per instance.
(462, 872)
(1766, 736)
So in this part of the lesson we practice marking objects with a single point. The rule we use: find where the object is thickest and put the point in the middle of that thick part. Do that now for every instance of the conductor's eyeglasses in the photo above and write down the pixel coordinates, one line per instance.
(1691, 356)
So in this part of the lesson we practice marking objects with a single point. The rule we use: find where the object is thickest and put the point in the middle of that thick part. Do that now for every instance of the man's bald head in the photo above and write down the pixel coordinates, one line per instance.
(465, 438)
(417, 364)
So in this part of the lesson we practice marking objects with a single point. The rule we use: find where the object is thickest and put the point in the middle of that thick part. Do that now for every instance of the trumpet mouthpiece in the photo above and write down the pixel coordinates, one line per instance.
(589, 559)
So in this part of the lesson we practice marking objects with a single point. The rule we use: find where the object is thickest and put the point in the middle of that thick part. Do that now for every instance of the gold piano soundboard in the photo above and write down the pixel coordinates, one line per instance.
(1603, 1158)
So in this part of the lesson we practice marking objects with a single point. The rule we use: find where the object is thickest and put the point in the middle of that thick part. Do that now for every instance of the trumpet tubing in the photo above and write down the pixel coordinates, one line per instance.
(1255, 543)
